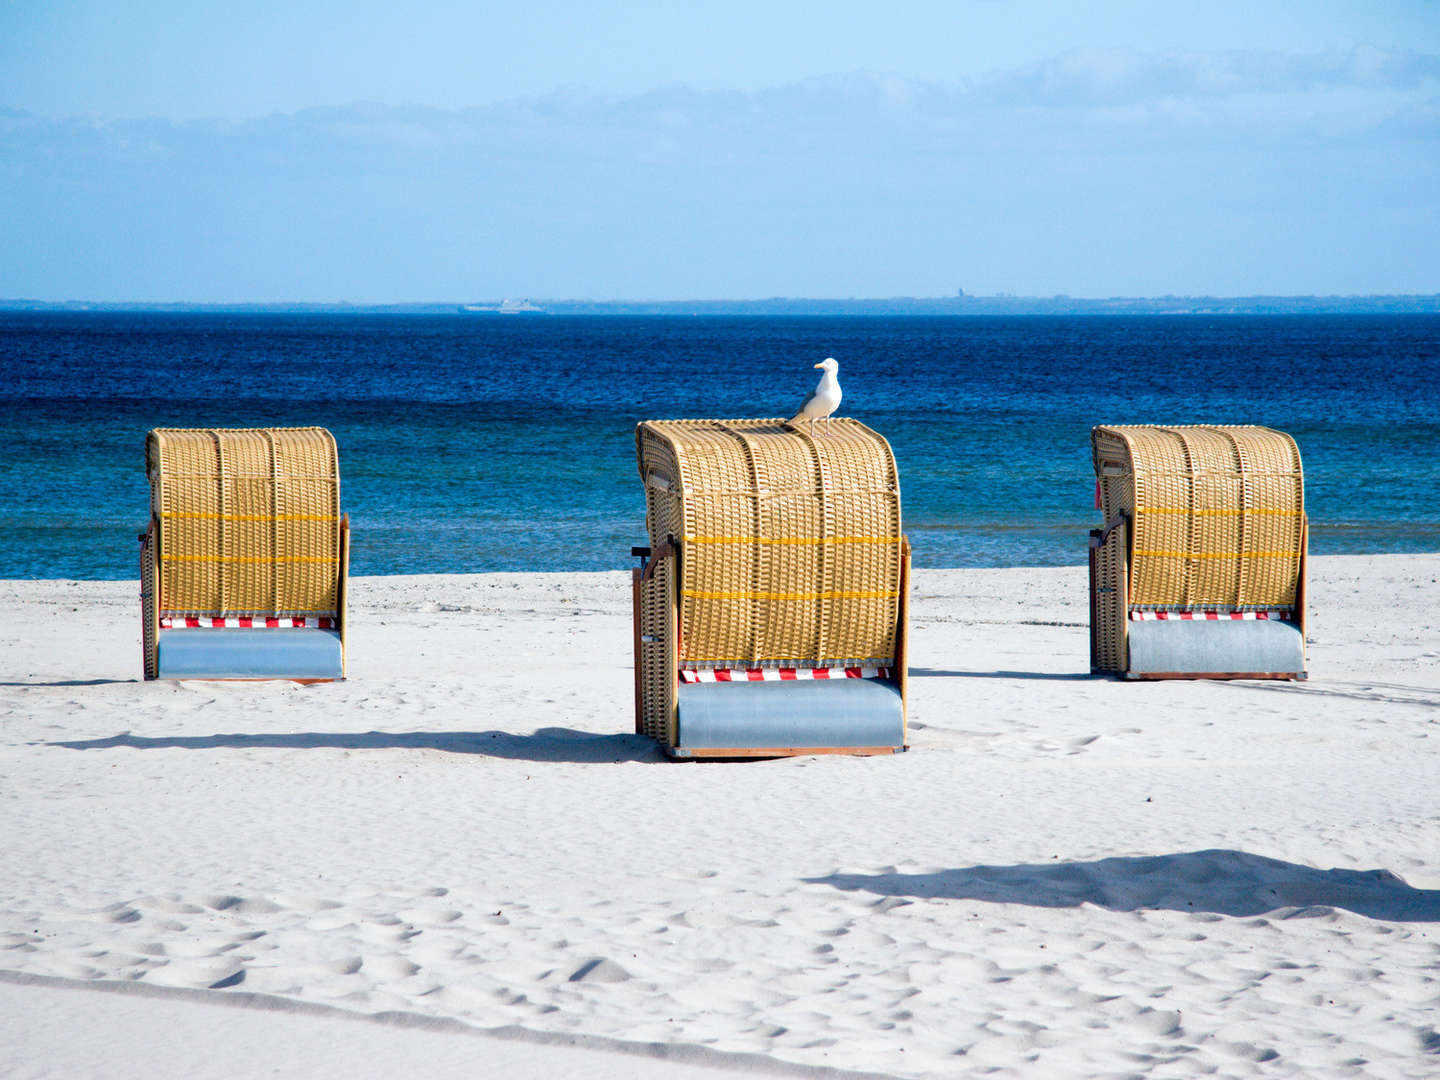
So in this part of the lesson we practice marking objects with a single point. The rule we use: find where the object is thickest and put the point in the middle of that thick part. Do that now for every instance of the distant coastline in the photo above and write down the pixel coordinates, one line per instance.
(1399, 304)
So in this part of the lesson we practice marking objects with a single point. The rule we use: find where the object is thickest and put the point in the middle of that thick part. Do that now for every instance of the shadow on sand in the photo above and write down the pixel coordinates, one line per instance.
(1387, 693)
(74, 682)
(547, 744)
(1221, 882)
(936, 673)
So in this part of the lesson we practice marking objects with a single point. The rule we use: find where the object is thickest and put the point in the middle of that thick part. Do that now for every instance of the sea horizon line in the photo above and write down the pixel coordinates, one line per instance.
(960, 304)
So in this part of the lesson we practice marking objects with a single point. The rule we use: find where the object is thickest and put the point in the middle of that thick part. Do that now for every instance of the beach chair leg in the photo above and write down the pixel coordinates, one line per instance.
(1109, 602)
(635, 574)
(149, 604)
(342, 616)
(902, 643)
(1301, 587)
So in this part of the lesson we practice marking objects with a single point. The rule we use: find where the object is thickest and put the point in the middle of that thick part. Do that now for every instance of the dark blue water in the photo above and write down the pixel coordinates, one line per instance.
(496, 442)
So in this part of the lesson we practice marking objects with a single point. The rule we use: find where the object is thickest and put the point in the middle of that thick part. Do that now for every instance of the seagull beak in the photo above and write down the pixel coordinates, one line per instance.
(819, 365)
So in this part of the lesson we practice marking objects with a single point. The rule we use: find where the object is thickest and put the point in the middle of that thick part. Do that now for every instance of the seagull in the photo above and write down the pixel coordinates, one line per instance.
(823, 400)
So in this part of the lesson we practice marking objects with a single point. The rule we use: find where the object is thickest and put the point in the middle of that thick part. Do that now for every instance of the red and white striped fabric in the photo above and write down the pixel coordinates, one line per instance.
(1206, 616)
(246, 622)
(692, 675)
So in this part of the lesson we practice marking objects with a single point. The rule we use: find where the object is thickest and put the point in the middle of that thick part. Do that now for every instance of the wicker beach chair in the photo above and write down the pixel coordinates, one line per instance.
(244, 563)
(1199, 570)
(771, 606)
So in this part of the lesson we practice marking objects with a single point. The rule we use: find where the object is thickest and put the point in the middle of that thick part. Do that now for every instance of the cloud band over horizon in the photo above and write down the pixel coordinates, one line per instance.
(1093, 172)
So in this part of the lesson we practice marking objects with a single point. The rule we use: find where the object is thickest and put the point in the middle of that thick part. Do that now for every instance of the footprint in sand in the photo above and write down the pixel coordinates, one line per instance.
(702, 919)
(309, 904)
(431, 916)
(600, 970)
(115, 961)
(331, 920)
(242, 905)
(203, 974)
(166, 905)
(441, 953)
(711, 964)
(1158, 1022)
(388, 933)
(118, 913)
(390, 967)
(208, 945)
(67, 970)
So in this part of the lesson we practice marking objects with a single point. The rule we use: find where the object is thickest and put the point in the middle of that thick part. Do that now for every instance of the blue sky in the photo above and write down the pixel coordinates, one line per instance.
(359, 151)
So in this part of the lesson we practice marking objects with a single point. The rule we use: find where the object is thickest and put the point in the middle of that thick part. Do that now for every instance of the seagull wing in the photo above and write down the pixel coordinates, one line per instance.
(805, 406)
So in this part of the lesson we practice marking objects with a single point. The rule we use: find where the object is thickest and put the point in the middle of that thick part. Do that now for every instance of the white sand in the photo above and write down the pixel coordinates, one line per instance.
(1065, 877)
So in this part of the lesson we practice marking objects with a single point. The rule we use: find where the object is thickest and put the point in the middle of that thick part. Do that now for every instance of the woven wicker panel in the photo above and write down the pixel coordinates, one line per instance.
(658, 664)
(790, 545)
(1108, 602)
(149, 616)
(1218, 512)
(249, 520)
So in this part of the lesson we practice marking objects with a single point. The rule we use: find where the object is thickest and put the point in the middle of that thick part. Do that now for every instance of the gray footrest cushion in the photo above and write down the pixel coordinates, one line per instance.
(290, 653)
(1216, 647)
(799, 713)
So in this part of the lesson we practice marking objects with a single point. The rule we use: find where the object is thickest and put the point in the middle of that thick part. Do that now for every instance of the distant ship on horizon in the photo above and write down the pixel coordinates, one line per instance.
(505, 307)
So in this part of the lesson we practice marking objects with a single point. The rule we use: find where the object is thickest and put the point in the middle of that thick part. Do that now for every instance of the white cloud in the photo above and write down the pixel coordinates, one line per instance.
(1195, 95)
(1090, 77)
(1091, 174)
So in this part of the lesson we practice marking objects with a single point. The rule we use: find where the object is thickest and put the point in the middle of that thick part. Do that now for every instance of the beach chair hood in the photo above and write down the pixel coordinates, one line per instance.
(775, 556)
(1199, 568)
(245, 536)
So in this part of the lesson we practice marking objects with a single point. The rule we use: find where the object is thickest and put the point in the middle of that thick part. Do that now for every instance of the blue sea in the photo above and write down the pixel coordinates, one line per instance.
(473, 443)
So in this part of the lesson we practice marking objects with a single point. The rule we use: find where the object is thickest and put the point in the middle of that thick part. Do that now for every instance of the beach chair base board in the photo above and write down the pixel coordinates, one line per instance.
(1215, 649)
(300, 655)
(733, 753)
(840, 715)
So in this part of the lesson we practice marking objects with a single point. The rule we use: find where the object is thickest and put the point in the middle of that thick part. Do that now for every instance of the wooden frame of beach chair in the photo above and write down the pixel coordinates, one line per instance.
(771, 607)
(245, 559)
(1199, 570)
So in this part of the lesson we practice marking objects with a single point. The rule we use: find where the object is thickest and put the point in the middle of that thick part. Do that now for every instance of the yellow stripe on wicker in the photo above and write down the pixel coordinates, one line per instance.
(1236, 512)
(755, 594)
(792, 539)
(1217, 554)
